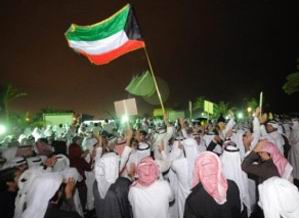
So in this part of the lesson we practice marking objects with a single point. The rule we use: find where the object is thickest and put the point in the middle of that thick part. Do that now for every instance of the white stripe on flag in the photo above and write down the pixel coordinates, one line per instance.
(100, 46)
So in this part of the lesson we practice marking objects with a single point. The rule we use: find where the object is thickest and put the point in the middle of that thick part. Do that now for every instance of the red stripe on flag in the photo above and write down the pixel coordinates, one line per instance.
(105, 58)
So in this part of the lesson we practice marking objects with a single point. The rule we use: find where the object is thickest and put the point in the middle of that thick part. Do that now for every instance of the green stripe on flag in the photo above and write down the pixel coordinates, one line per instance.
(100, 30)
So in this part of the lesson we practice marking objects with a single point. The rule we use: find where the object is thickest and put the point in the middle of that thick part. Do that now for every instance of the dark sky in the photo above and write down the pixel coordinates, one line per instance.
(224, 50)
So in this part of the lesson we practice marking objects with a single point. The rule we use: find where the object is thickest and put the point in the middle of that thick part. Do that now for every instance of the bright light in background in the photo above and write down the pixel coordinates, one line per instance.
(125, 118)
(227, 117)
(240, 115)
(2, 129)
(249, 109)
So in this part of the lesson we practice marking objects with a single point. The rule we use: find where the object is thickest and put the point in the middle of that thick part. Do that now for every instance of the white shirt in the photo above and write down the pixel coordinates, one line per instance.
(180, 167)
(152, 201)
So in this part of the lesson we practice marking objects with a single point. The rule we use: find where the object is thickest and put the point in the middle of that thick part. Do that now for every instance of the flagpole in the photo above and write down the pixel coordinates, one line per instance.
(190, 110)
(154, 79)
(261, 104)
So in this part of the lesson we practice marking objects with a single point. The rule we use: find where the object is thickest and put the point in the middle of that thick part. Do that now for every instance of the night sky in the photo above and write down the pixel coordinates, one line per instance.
(224, 50)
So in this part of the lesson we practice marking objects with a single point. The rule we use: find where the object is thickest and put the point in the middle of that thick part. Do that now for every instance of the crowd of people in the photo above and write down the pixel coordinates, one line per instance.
(153, 169)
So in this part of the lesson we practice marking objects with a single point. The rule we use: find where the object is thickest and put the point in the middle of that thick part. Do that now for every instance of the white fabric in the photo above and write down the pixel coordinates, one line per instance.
(90, 178)
(37, 134)
(60, 133)
(294, 151)
(287, 173)
(279, 198)
(191, 152)
(180, 167)
(173, 211)
(24, 184)
(48, 131)
(238, 140)
(176, 152)
(162, 138)
(152, 201)
(77, 203)
(207, 139)
(287, 130)
(17, 161)
(100, 46)
(40, 192)
(10, 153)
(183, 169)
(137, 155)
(124, 157)
(231, 169)
(229, 126)
(71, 172)
(88, 143)
(106, 172)
(35, 161)
(22, 138)
(256, 132)
(278, 140)
(141, 154)
(61, 164)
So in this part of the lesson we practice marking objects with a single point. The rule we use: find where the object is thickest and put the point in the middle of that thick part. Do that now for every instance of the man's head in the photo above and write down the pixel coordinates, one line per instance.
(9, 179)
(271, 126)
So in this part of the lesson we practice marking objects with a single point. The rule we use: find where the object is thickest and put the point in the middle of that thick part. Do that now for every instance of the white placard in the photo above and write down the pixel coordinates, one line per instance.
(125, 107)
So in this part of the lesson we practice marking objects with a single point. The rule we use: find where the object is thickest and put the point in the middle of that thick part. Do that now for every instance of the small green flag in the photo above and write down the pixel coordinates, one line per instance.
(142, 85)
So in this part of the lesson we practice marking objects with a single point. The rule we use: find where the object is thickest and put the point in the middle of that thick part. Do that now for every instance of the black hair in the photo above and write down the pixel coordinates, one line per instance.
(7, 175)
(59, 147)
(44, 140)
(143, 132)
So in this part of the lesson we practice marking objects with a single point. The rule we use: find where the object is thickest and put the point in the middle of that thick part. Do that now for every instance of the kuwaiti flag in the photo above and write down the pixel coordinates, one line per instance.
(107, 40)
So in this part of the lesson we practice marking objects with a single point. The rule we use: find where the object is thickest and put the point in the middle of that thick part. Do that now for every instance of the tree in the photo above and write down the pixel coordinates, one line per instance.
(10, 94)
(250, 103)
(199, 104)
(221, 108)
(292, 84)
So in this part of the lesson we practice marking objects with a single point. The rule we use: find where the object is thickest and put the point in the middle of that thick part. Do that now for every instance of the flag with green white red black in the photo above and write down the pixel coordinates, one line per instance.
(107, 40)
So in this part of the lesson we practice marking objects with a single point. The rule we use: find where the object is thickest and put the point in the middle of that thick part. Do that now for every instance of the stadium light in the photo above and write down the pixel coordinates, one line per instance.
(240, 115)
(2, 129)
(125, 118)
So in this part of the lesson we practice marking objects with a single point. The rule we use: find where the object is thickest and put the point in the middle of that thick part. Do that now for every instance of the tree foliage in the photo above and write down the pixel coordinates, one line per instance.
(292, 84)
(9, 94)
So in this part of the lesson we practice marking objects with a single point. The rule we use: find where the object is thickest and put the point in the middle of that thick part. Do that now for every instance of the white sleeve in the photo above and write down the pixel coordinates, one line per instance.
(170, 193)
(169, 133)
(256, 132)
(229, 126)
(130, 196)
(184, 133)
(164, 165)
(263, 131)
(124, 157)
(164, 155)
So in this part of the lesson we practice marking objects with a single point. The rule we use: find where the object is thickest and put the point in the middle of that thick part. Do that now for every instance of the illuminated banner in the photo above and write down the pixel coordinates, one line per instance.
(125, 107)
(208, 107)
